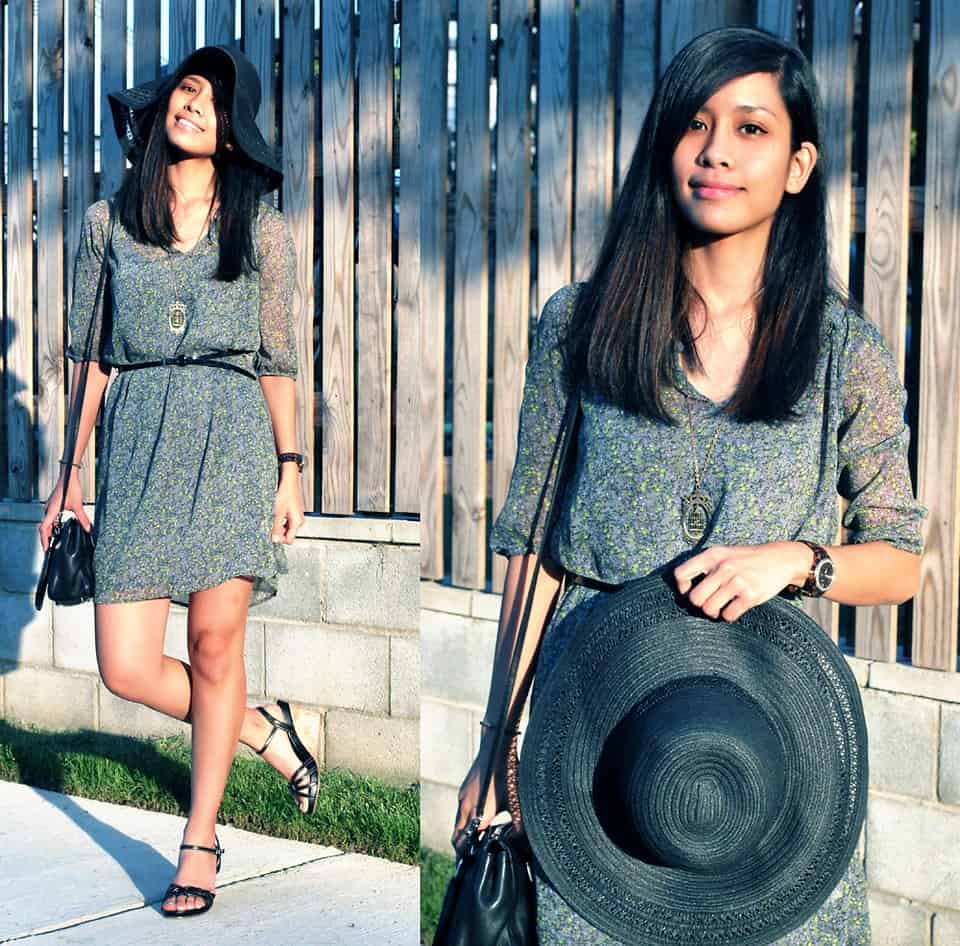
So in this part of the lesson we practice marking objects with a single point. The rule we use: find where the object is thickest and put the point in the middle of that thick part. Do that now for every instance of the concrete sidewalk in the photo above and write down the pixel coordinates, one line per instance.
(82, 872)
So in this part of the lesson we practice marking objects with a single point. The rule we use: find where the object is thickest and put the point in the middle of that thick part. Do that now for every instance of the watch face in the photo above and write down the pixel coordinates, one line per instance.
(823, 575)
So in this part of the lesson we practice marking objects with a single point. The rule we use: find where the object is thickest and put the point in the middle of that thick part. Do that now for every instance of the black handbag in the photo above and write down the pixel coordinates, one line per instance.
(66, 575)
(491, 898)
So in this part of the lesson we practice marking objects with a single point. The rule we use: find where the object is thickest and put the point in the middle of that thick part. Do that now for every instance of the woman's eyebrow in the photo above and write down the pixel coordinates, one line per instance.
(755, 108)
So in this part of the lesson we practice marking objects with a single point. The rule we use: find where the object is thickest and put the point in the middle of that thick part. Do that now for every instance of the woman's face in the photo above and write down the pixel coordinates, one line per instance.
(735, 161)
(191, 119)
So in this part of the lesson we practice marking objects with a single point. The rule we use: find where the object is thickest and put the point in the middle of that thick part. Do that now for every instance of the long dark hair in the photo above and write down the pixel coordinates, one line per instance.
(143, 198)
(634, 305)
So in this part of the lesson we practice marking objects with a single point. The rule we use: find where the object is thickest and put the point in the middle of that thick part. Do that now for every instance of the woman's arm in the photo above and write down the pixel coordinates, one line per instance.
(739, 577)
(280, 394)
(519, 575)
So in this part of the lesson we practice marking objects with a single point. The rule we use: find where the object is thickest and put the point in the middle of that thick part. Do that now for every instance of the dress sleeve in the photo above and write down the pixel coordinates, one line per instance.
(545, 393)
(874, 475)
(278, 278)
(86, 276)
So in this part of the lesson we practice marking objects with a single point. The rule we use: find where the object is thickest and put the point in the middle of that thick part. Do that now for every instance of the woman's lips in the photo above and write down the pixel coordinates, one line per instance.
(713, 191)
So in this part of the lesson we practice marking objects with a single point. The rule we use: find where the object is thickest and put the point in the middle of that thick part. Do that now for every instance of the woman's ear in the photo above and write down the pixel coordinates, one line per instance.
(802, 163)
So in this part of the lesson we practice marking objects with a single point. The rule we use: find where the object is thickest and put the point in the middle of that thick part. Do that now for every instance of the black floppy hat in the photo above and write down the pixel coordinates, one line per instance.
(133, 109)
(688, 781)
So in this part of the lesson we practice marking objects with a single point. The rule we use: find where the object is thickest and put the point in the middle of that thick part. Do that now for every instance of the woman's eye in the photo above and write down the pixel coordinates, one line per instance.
(753, 130)
(696, 124)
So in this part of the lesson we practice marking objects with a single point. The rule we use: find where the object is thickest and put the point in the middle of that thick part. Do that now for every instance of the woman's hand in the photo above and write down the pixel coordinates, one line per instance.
(469, 796)
(74, 504)
(739, 577)
(288, 506)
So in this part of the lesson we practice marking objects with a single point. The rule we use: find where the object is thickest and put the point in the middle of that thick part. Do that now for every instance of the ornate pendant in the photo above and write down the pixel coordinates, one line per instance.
(177, 317)
(696, 509)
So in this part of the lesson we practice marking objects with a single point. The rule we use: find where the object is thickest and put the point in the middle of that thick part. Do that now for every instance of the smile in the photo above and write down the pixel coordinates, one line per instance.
(188, 126)
(712, 193)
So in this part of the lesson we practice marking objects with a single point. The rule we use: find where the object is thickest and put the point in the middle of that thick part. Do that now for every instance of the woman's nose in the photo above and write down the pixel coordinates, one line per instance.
(716, 150)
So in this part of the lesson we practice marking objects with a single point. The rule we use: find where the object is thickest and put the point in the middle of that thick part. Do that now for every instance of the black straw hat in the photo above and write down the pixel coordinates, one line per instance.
(133, 109)
(688, 781)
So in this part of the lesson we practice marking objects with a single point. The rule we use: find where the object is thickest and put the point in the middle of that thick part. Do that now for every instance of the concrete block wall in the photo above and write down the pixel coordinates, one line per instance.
(911, 842)
(340, 641)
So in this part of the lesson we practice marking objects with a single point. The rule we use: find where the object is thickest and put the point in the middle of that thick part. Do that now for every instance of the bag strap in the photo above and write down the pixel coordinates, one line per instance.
(562, 449)
(76, 408)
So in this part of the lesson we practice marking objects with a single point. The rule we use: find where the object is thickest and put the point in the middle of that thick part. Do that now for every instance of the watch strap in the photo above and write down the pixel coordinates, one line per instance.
(809, 587)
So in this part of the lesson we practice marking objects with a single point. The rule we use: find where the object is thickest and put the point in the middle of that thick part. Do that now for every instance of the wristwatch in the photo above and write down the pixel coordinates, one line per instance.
(820, 576)
(291, 458)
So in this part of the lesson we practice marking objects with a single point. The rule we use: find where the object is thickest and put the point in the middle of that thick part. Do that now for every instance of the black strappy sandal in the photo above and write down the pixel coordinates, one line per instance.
(305, 782)
(175, 890)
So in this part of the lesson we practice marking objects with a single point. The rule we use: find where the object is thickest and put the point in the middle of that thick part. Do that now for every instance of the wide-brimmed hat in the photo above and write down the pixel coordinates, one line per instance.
(133, 109)
(689, 781)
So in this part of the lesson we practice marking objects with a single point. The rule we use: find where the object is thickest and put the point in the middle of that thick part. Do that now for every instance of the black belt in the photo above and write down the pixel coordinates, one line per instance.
(184, 360)
(594, 583)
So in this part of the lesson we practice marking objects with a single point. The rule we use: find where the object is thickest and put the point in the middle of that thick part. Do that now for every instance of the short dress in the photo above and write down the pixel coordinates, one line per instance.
(620, 517)
(187, 468)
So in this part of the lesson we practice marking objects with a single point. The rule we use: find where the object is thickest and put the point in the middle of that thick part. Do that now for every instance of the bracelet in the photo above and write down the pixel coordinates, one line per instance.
(291, 458)
(68, 463)
(510, 730)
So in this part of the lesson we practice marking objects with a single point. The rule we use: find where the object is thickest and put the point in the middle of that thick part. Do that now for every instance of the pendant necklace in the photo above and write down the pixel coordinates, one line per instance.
(177, 310)
(696, 508)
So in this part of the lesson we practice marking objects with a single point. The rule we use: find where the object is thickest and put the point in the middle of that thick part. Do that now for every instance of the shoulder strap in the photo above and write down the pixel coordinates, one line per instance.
(73, 418)
(562, 449)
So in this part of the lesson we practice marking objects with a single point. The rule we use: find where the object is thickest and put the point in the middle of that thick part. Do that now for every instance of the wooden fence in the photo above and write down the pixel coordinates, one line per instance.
(358, 389)
(535, 169)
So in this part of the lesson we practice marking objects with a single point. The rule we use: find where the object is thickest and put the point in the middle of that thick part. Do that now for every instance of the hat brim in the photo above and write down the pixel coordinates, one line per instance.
(132, 112)
(646, 637)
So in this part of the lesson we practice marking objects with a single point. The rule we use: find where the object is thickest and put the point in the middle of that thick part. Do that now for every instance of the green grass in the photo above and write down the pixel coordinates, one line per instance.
(435, 871)
(353, 813)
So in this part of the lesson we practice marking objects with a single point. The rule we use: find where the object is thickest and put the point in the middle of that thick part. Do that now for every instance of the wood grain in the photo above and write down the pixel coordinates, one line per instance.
(219, 23)
(18, 337)
(512, 275)
(470, 298)
(374, 262)
(146, 40)
(638, 75)
(337, 156)
(938, 473)
(182, 31)
(50, 296)
(779, 17)
(887, 231)
(298, 203)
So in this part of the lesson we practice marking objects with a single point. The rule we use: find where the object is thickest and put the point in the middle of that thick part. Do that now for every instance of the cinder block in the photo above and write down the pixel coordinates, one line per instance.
(26, 635)
(372, 585)
(438, 815)
(328, 667)
(300, 591)
(75, 639)
(53, 699)
(457, 657)
(950, 757)
(903, 742)
(917, 681)
(860, 669)
(175, 636)
(21, 557)
(912, 851)
(373, 745)
(946, 928)
(895, 922)
(446, 742)
(437, 597)
(128, 718)
(405, 676)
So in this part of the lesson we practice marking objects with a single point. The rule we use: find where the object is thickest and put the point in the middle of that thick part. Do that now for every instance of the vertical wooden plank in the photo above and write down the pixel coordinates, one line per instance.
(938, 475)
(50, 301)
(422, 270)
(257, 42)
(219, 23)
(887, 230)
(832, 55)
(680, 22)
(182, 31)
(779, 17)
(336, 148)
(21, 454)
(554, 150)
(512, 276)
(113, 75)
(594, 144)
(299, 104)
(80, 192)
(374, 263)
(470, 298)
(638, 74)
(146, 40)
(421, 277)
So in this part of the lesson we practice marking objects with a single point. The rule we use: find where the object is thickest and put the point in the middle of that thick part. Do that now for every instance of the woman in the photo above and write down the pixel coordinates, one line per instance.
(727, 396)
(198, 479)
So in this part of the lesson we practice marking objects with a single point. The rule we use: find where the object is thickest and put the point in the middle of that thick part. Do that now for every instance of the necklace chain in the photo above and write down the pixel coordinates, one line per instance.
(696, 508)
(697, 480)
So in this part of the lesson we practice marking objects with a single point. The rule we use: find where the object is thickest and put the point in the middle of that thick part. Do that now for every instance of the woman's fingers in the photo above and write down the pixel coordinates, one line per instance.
(81, 514)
